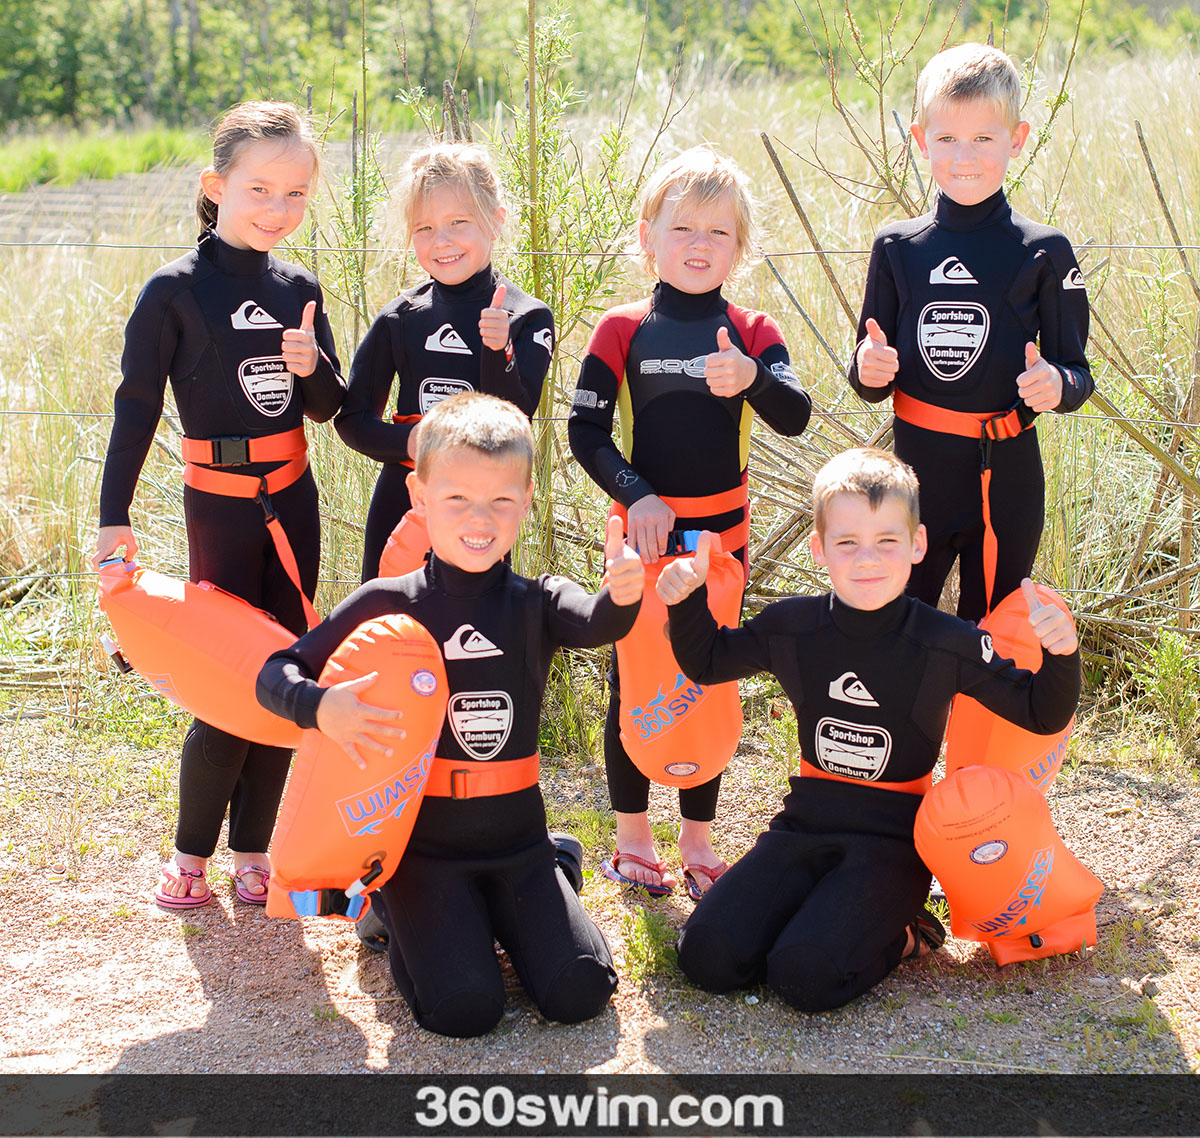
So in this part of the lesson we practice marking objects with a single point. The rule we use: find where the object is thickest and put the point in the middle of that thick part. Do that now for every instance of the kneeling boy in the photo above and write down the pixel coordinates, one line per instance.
(479, 867)
(831, 898)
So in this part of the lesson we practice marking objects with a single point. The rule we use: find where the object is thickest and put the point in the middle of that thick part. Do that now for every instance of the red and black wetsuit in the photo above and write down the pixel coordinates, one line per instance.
(678, 439)
(212, 322)
(819, 907)
(959, 292)
(477, 869)
(429, 338)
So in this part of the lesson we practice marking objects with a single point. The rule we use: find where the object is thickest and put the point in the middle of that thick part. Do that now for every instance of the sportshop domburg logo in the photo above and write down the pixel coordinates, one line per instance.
(667, 709)
(364, 812)
(1027, 898)
(267, 383)
(951, 337)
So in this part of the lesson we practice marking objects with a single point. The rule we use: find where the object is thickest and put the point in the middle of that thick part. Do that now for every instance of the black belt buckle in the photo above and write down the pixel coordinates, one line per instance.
(230, 451)
(458, 783)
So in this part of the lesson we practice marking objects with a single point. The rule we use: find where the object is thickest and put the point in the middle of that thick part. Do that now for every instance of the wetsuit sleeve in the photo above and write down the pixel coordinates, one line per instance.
(882, 301)
(360, 423)
(776, 394)
(325, 389)
(589, 428)
(287, 682)
(151, 336)
(1042, 701)
(1063, 322)
(519, 377)
(712, 655)
(579, 619)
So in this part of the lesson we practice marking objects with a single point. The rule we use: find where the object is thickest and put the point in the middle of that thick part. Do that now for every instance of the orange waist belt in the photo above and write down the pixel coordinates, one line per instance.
(917, 786)
(988, 428)
(407, 419)
(290, 447)
(735, 538)
(449, 778)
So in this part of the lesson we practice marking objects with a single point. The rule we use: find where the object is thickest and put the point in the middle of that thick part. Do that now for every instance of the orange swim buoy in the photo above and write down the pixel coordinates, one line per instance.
(341, 830)
(976, 736)
(406, 548)
(199, 645)
(986, 833)
(678, 732)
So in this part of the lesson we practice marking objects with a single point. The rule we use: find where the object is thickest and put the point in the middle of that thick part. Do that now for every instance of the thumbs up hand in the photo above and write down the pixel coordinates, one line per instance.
(1040, 385)
(299, 349)
(623, 571)
(1054, 628)
(877, 362)
(493, 322)
(727, 371)
(685, 575)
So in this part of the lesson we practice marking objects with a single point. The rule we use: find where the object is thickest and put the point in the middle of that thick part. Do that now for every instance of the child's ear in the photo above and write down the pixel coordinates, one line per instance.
(528, 499)
(212, 184)
(499, 218)
(920, 544)
(644, 235)
(918, 133)
(416, 493)
(818, 550)
(1019, 135)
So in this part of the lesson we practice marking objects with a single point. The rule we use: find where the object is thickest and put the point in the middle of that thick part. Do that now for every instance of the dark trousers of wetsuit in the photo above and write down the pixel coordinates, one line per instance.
(819, 914)
(228, 544)
(947, 468)
(389, 503)
(477, 871)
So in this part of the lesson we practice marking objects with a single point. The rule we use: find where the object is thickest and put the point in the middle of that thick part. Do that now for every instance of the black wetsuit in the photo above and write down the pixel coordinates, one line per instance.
(213, 322)
(429, 337)
(959, 292)
(691, 444)
(819, 907)
(477, 870)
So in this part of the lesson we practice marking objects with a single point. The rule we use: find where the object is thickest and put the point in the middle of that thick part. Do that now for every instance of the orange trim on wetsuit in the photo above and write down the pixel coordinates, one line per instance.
(290, 445)
(917, 786)
(398, 418)
(451, 778)
(981, 425)
(737, 498)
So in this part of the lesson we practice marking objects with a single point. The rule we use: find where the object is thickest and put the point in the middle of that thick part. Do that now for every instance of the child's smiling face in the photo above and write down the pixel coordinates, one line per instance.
(969, 146)
(694, 245)
(450, 240)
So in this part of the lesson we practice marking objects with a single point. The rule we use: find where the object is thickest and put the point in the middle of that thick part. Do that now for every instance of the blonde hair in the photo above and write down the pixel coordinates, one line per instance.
(478, 422)
(966, 72)
(699, 177)
(254, 122)
(870, 473)
(463, 167)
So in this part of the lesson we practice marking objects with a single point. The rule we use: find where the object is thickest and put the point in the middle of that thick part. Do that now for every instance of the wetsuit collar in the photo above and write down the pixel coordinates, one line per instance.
(961, 218)
(483, 281)
(458, 582)
(863, 624)
(679, 305)
(235, 262)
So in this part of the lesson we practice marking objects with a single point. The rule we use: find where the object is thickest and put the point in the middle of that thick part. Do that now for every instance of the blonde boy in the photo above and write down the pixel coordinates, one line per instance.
(831, 897)
(480, 866)
(974, 320)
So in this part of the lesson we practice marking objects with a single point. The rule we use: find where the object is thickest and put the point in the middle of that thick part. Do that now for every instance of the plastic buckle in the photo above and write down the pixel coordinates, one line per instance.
(230, 451)
(264, 500)
(681, 541)
(458, 783)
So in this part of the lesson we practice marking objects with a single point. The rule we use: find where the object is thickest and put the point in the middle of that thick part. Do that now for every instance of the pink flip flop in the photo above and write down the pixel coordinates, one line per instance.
(712, 872)
(242, 892)
(173, 872)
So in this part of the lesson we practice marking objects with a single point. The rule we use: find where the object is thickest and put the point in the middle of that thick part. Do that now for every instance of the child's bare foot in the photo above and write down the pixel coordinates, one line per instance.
(701, 864)
(250, 874)
(182, 884)
(636, 861)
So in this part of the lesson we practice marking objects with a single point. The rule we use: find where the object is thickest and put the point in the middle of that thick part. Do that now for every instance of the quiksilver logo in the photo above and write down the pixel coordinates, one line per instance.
(446, 339)
(1074, 279)
(248, 317)
(987, 649)
(467, 644)
(952, 271)
(850, 689)
(544, 337)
